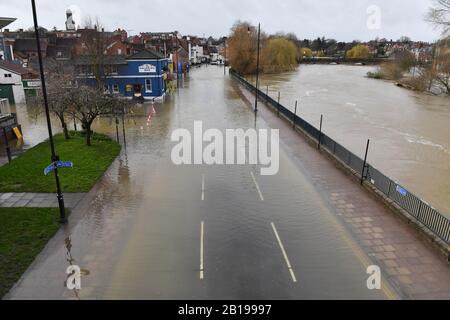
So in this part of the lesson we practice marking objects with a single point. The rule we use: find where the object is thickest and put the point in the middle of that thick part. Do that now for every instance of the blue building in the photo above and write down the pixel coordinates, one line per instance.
(141, 75)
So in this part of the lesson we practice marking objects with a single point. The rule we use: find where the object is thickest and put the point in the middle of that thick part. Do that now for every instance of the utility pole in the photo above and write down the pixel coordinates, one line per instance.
(55, 157)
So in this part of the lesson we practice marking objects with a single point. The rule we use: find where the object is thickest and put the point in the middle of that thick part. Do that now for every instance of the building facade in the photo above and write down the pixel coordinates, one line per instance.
(142, 75)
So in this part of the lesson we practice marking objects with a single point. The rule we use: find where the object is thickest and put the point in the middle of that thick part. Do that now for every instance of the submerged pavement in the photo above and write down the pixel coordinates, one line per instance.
(38, 200)
(153, 230)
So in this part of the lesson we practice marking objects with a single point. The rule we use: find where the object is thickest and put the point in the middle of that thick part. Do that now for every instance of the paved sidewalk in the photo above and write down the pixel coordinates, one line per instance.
(38, 200)
(411, 265)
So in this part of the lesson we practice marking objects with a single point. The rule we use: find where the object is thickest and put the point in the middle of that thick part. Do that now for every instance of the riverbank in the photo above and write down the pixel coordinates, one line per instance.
(24, 232)
(26, 172)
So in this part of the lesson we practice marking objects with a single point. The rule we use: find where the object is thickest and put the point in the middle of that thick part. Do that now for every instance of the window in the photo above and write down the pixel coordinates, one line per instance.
(148, 85)
(105, 88)
(8, 75)
(116, 88)
(119, 51)
(113, 69)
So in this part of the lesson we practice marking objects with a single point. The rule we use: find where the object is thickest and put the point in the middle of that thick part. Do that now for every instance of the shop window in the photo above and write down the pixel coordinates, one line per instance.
(148, 85)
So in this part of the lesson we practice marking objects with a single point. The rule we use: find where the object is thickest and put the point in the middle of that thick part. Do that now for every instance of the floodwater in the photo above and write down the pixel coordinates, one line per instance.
(159, 231)
(409, 131)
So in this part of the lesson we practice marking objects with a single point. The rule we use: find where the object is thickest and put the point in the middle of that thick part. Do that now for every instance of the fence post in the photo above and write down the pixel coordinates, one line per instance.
(320, 132)
(389, 190)
(295, 115)
(363, 177)
(8, 150)
(278, 105)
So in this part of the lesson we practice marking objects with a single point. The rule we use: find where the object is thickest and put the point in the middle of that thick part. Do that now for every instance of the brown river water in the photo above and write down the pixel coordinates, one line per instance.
(409, 131)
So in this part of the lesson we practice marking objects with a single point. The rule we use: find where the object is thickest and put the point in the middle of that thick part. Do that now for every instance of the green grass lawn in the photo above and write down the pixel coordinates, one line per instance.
(26, 172)
(23, 234)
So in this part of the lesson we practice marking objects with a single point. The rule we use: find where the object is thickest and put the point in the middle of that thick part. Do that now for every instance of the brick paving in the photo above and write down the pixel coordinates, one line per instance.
(38, 200)
(411, 265)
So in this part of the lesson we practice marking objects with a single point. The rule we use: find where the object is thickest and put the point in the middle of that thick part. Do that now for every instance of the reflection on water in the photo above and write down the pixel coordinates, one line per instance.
(410, 131)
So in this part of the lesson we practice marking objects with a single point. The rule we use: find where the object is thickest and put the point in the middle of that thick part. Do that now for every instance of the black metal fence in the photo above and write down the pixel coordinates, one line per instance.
(416, 207)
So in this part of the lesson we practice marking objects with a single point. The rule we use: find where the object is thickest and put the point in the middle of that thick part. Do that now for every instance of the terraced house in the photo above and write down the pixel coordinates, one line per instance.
(141, 75)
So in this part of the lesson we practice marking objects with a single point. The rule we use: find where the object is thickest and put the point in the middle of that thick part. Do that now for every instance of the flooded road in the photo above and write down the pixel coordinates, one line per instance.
(159, 231)
(409, 131)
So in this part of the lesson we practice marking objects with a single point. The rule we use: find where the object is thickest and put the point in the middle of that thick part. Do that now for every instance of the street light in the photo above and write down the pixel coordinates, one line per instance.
(225, 55)
(257, 66)
(55, 157)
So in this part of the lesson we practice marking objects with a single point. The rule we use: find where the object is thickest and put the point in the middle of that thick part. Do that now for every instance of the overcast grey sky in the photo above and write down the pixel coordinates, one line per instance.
(344, 20)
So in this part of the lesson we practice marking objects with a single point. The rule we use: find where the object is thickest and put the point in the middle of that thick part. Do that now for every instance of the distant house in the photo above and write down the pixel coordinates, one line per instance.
(28, 47)
(141, 75)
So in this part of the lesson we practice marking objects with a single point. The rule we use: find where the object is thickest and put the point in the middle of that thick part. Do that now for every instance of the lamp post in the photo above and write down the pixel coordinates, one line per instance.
(225, 56)
(257, 66)
(55, 157)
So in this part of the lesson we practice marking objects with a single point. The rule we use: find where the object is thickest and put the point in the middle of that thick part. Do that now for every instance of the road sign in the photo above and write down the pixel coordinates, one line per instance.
(402, 191)
(58, 164)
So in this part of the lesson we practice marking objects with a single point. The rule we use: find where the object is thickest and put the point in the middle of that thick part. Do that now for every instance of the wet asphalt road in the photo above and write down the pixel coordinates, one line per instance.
(153, 227)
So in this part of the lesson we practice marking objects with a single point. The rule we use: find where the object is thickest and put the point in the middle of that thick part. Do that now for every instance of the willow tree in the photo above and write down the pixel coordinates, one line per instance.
(359, 51)
(242, 48)
(279, 54)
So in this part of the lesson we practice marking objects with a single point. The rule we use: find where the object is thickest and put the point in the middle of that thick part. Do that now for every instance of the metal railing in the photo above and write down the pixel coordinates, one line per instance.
(432, 219)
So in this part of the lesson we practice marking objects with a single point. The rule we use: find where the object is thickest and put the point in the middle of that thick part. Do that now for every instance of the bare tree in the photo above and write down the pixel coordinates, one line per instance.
(58, 82)
(95, 41)
(439, 16)
(90, 103)
(442, 66)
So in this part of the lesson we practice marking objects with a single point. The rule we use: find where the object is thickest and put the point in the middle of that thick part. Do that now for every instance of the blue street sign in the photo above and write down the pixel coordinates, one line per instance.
(402, 191)
(58, 164)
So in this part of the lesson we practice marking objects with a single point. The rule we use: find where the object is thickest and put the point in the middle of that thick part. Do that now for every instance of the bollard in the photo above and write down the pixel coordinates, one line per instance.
(117, 129)
(320, 132)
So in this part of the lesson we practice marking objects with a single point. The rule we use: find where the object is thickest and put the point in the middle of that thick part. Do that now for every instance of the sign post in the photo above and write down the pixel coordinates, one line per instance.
(56, 165)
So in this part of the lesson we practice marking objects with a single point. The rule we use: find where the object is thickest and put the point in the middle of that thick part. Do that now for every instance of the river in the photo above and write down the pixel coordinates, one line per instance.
(409, 131)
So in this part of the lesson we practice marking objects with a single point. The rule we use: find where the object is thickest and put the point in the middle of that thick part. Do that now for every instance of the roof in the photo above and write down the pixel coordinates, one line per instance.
(146, 54)
(108, 60)
(13, 67)
(25, 45)
(59, 52)
(6, 21)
